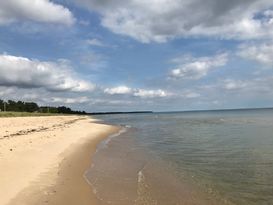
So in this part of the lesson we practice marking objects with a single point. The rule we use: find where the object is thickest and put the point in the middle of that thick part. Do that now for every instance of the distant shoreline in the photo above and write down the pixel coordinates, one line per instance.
(181, 111)
(116, 113)
(217, 110)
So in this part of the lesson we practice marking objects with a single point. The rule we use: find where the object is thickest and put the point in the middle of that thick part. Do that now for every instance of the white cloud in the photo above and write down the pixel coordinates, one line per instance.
(190, 94)
(161, 20)
(196, 68)
(104, 102)
(150, 93)
(143, 93)
(231, 84)
(43, 97)
(262, 53)
(118, 90)
(95, 42)
(39, 10)
(65, 100)
(252, 86)
(27, 73)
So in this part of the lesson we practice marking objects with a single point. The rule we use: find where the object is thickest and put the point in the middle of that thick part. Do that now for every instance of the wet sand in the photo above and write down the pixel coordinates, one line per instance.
(43, 159)
(124, 173)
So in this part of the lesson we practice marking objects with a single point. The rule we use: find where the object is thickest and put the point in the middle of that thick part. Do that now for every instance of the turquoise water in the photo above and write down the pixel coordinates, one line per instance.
(223, 157)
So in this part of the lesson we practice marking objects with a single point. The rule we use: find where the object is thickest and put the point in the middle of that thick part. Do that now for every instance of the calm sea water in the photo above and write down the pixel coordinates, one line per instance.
(223, 157)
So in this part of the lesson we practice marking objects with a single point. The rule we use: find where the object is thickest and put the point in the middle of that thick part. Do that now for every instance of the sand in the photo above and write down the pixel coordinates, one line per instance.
(43, 159)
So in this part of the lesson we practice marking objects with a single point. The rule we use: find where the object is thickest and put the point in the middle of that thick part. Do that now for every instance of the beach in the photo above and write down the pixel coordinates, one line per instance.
(193, 158)
(43, 159)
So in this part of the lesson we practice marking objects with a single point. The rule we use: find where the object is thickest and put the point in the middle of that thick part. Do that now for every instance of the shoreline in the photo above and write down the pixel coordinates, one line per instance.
(58, 178)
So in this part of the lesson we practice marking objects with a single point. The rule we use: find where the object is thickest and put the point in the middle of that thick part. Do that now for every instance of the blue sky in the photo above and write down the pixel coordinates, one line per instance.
(122, 55)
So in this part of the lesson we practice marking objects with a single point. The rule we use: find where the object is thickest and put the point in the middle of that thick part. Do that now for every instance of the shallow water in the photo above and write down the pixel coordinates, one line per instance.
(187, 158)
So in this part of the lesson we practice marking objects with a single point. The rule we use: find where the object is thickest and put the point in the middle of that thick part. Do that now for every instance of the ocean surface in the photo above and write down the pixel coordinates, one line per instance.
(212, 157)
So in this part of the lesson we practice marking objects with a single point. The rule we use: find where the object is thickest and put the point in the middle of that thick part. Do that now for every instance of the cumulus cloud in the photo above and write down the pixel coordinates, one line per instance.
(118, 90)
(150, 93)
(27, 73)
(43, 97)
(65, 100)
(161, 20)
(262, 53)
(231, 84)
(196, 68)
(143, 93)
(109, 102)
(251, 86)
(39, 11)
(190, 94)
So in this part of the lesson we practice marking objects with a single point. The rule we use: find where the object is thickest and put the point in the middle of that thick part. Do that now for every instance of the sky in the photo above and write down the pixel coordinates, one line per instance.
(123, 55)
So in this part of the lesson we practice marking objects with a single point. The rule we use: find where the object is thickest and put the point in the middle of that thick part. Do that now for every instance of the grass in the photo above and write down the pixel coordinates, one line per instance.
(25, 114)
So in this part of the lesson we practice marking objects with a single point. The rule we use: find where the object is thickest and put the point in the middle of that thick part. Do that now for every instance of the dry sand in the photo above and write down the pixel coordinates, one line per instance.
(43, 159)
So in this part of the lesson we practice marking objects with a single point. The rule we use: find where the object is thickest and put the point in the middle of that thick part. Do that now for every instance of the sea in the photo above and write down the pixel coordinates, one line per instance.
(191, 158)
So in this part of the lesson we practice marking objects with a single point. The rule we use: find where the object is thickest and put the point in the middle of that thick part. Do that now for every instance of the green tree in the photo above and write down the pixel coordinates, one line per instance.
(31, 107)
(1, 105)
(64, 109)
(11, 105)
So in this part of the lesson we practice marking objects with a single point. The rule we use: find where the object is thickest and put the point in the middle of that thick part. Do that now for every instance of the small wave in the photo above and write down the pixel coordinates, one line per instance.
(140, 176)
(105, 142)
(143, 190)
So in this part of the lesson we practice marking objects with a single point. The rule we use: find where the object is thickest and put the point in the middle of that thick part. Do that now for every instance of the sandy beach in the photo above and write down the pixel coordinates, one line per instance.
(43, 159)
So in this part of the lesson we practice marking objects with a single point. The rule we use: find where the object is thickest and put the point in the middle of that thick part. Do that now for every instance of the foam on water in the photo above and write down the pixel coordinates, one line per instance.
(105, 142)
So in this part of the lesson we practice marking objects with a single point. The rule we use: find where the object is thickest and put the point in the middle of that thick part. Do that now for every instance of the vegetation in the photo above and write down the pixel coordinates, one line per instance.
(24, 114)
(25, 108)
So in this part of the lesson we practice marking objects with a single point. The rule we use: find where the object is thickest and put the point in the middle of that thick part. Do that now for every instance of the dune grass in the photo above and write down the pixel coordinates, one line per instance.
(25, 114)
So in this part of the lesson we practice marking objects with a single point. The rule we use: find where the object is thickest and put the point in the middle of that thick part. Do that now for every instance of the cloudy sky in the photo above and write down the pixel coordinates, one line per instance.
(161, 55)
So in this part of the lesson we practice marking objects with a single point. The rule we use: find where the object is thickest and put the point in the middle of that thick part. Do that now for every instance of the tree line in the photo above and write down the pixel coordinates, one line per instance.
(20, 106)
